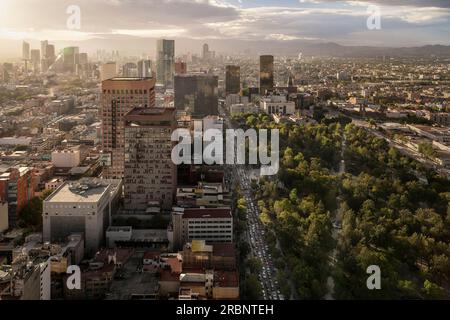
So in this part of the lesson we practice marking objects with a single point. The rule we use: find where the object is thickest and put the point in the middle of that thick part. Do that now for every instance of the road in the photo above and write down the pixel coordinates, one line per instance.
(258, 245)
(256, 233)
(337, 224)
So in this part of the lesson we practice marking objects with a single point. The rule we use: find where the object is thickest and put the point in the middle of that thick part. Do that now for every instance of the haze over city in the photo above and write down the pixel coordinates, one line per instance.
(231, 26)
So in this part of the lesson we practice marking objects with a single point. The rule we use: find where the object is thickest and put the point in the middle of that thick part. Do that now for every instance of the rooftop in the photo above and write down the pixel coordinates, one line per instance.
(207, 213)
(82, 191)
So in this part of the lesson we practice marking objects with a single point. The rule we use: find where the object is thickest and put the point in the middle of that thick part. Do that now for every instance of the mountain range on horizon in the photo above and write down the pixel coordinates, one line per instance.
(138, 46)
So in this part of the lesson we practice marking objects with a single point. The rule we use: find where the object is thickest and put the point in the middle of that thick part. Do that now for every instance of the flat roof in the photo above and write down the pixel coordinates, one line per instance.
(207, 213)
(129, 79)
(79, 192)
(150, 114)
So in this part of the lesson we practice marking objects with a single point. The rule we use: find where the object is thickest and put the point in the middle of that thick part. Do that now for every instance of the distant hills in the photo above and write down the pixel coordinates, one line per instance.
(138, 46)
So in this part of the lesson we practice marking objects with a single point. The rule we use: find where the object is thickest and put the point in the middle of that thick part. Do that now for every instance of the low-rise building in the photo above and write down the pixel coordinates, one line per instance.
(209, 224)
(80, 207)
(277, 104)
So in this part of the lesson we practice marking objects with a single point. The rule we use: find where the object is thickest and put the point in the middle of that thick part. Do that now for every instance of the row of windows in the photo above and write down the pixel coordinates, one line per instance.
(65, 206)
(210, 221)
(126, 91)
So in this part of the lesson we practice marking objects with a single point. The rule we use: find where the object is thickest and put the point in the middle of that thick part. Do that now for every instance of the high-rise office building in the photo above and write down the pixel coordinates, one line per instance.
(205, 51)
(50, 52)
(266, 74)
(108, 70)
(150, 176)
(130, 70)
(71, 57)
(197, 94)
(44, 45)
(233, 80)
(165, 61)
(119, 96)
(144, 68)
(35, 56)
(49, 58)
(25, 51)
(83, 58)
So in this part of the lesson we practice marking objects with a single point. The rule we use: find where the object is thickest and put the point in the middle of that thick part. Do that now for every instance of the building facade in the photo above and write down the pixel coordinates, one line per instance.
(197, 94)
(119, 96)
(150, 174)
(266, 74)
(80, 207)
(165, 53)
(233, 80)
(209, 224)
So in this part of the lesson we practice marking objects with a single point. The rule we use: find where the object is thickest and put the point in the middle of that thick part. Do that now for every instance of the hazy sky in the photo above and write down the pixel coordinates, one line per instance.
(404, 22)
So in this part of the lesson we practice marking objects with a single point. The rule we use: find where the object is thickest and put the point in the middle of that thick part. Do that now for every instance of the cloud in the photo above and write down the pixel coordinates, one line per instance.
(412, 3)
(260, 20)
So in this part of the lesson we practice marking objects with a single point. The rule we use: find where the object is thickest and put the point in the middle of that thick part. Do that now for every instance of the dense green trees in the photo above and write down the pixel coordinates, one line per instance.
(296, 206)
(394, 220)
(394, 212)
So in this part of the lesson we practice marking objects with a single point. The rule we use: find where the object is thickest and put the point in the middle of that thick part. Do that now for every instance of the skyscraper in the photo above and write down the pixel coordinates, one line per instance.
(108, 70)
(197, 94)
(119, 96)
(149, 172)
(144, 68)
(71, 55)
(165, 61)
(205, 51)
(25, 51)
(233, 80)
(266, 74)
(35, 59)
(130, 70)
(44, 45)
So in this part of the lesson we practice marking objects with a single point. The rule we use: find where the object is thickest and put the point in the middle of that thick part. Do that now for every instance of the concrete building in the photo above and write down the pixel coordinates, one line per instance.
(68, 158)
(266, 74)
(233, 80)
(54, 184)
(165, 53)
(209, 224)
(119, 96)
(150, 174)
(197, 94)
(80, 207)
(25, 51)
(144, 68)
(35, 56)
(277, 104)
(441, 118)
(108, 71)
(4, 221)
(70, 58)
(180, 67)
(243, 108)
(130, 70)
(16, 188)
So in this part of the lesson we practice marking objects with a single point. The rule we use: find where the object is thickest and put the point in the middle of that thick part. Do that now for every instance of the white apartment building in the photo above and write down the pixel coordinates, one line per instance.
(209, 224)
(66, 158)
(277, 104)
